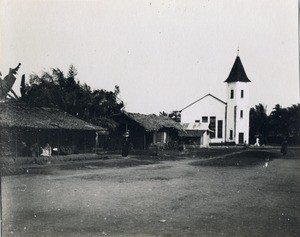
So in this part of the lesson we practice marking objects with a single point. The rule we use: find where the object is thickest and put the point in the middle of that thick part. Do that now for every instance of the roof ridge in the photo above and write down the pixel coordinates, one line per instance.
(201, 99)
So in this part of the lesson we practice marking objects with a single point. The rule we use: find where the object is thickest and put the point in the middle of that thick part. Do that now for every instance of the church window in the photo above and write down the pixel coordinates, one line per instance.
(241, 114)
(212, 127)
(197, 121)
(231, 94)
(220, 128)
(231, 135)
(242, 93)
(204, 119)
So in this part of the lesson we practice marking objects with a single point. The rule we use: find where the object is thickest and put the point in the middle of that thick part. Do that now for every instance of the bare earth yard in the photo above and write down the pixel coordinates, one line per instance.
(248, 193)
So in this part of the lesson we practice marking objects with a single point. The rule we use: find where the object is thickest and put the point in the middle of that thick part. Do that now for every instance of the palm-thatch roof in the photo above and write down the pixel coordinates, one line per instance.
(19, 115)
(153, 122)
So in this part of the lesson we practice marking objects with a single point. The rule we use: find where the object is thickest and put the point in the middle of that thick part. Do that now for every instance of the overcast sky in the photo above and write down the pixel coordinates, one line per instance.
(163, 54)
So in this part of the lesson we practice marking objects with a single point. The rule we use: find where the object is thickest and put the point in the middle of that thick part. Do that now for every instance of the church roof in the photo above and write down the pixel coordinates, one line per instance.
(208, 95)
(237, 72)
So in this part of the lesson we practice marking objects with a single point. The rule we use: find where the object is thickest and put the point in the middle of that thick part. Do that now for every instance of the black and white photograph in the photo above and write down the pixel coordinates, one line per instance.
(149, 118)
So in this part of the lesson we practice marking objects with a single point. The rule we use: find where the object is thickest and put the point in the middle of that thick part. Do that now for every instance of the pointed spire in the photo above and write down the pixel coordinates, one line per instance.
(237, 72)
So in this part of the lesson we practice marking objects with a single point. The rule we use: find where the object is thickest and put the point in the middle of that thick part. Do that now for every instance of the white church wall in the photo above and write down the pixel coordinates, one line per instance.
(207, 107)
(237, 111)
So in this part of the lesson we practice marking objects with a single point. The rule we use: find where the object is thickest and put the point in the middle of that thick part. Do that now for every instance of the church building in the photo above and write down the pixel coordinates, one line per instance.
(221, 121)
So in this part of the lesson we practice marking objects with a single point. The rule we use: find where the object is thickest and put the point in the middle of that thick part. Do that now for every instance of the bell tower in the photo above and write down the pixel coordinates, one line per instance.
(237, 111)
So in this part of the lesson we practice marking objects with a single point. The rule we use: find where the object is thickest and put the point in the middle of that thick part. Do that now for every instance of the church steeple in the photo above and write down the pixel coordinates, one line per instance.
(237, 110)
(237, 72)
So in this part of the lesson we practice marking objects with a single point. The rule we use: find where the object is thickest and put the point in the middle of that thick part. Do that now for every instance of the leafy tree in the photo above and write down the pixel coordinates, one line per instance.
(278, 121)
(68, 94)
(284, 123)
(294, 121)
(258, 123)
(175, 115)
(163, 113)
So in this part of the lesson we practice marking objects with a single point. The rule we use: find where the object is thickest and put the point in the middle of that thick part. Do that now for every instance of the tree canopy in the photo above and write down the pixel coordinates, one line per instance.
(175, 115)
(65, 92)
(281, 123)
(258, 123)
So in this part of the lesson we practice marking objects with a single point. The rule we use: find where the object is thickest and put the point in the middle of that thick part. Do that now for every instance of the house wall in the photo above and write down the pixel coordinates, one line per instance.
(160, 137)
(209, 107)
(166, 138)
(138, 137)
(19, 142)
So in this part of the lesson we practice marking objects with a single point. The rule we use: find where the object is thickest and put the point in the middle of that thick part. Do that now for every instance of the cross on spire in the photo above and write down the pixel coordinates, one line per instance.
(238, 51)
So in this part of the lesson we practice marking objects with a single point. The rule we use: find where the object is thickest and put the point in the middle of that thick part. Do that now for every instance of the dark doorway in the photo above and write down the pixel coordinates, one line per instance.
(241, 138)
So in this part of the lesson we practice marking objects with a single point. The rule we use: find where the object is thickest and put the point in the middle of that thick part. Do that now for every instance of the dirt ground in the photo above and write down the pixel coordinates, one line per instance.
(248, 193)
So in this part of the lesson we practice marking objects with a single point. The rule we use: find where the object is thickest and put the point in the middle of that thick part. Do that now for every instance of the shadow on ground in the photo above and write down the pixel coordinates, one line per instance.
(240, 159)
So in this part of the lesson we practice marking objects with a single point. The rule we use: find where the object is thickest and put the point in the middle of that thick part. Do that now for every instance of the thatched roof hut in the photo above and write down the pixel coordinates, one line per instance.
(153, 122)
(147, 129)
(22, 126)
(19, 115)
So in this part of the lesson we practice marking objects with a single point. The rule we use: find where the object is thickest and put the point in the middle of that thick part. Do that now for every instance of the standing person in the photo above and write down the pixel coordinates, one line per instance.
(48, 149)
(284, 147)
(125, 144)
(35, 152)
(257, 143)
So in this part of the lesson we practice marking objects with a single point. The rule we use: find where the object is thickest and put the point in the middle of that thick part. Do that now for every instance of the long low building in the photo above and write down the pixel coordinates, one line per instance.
(25, 130)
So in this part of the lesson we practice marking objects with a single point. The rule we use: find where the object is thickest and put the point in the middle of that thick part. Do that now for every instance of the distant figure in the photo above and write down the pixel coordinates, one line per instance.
(25, 150)
(245, 145)
(257, 142)
(47, 151)
(125, 144)
(34, 150)
(284, 147)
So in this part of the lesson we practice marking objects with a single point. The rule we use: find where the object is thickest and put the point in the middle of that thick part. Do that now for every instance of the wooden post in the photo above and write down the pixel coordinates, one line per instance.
(38, 143)
(73, 142)
(58, 141)
(16, 137)
(84, 141)
(96, 141)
